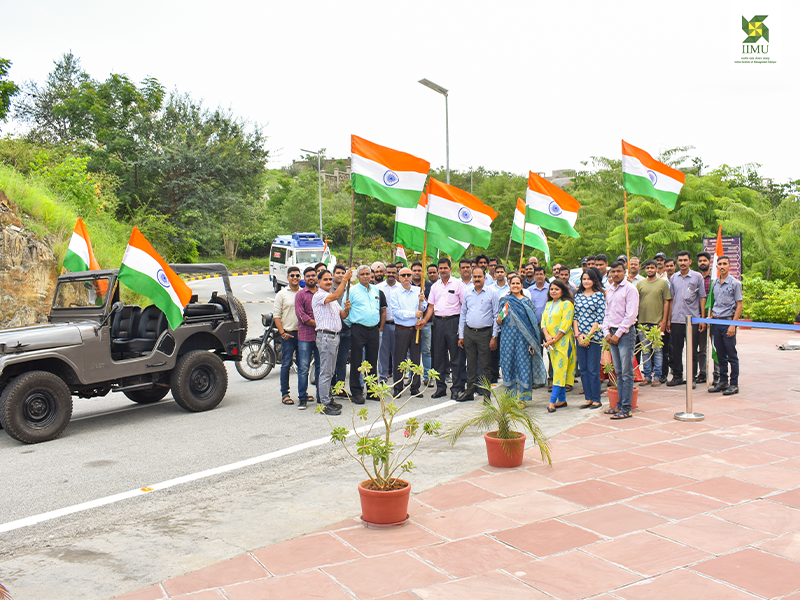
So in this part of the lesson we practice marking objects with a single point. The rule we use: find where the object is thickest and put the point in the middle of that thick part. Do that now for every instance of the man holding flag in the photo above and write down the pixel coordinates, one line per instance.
(726, 295)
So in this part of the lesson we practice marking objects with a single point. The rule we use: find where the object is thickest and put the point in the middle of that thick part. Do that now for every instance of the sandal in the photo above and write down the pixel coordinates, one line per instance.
(569, 388)
(287, 400)
(587, 405)
(621, 415)
(610, 411)
(551, 408)
(561, 404)
(596, 405)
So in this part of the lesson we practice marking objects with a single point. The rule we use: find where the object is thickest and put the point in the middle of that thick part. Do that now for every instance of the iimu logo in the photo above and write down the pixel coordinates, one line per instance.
(755, 30)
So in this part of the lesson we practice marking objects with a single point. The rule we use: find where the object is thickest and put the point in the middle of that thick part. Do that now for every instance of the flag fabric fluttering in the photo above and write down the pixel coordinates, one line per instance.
(710, 300)
(534, 236)
(391, 176)
(409, 232)
(145, 272)
(504, 312)
(80, 256)
(400, 255)
(459, 215)
(326, 255)
(550, 207)
(643, 175)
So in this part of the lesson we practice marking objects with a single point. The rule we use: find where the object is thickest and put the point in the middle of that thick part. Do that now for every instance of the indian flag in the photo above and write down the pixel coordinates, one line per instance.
(459, 215)
(400, 255)
(80, 256)
(718, 251)
(145, 272)
(504, 312)
(534, 236)
(647, 177)
(409, 232)
(550, 207)
(326, 255)
(391, 176)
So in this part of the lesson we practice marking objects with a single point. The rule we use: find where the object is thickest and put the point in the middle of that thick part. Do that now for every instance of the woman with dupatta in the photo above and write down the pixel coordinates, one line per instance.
(560, 341)
(520, 348)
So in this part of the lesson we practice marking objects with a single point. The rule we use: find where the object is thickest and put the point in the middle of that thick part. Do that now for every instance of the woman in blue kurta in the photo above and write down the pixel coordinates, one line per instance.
(559, 339)
(520, 349)
(590, 308)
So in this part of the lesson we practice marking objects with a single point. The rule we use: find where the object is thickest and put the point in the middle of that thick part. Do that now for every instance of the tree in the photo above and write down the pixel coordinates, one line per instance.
(8, 89)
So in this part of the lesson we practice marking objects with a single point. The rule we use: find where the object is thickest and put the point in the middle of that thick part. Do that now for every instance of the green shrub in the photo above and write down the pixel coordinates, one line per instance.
(773, 301)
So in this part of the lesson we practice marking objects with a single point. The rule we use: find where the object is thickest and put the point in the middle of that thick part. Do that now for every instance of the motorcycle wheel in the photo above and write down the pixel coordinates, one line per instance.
(250, 367)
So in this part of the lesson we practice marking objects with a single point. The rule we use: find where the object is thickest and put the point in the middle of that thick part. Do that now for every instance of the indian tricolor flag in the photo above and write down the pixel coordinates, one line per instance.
(80, 256)
(409, 232)
(400, 255)
(459, 215)
(550, 207)
(391, 176)
(534, 236)
(718, 251)
(643, 175)
(145, 272)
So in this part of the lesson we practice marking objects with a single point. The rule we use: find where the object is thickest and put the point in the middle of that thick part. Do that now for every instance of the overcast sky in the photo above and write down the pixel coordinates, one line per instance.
(533, 85)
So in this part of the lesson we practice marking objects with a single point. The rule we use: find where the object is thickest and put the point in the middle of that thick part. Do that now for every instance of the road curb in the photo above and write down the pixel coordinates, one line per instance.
(229, 274)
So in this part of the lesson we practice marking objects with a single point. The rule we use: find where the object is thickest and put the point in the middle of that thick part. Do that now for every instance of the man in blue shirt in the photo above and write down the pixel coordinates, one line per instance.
(367, 315)
(540, 292)
(407, 313)
(727, 305)
(477, 333)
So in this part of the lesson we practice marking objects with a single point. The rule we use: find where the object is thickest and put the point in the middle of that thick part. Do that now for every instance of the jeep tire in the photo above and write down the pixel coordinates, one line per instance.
(199, 381)
(239, 308)
(35, 407)
(150, 396)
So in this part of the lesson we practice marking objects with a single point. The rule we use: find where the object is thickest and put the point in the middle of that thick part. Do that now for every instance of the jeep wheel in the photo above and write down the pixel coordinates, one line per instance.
(149, 396)
(199, 381)
(239, 307)
(35, 407)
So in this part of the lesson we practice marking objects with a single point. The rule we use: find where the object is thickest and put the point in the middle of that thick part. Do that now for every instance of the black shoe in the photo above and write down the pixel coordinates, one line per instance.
(302, 404)
(701, 378)
(733, 389)
(358, 399)
(416, 393)
(719, 387)
(465, 397)
(715, 383)
(335, 404)
(332, 410)
(439, 394)
(694, 385)
(455, 395)
(673, 382)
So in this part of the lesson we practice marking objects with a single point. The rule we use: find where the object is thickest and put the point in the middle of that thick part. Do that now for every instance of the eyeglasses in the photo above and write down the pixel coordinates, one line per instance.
(404, 275)
(294, 275)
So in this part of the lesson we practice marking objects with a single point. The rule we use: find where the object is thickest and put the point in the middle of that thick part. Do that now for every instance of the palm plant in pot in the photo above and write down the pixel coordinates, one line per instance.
(653, 339)
(499, 417)
(384, 496)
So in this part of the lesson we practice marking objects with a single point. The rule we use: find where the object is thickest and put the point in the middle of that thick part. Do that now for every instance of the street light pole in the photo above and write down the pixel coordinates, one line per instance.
(319, 183)
(439, 89)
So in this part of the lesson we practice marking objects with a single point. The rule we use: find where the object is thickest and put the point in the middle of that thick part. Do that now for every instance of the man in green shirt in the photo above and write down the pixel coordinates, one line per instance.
(654, 300)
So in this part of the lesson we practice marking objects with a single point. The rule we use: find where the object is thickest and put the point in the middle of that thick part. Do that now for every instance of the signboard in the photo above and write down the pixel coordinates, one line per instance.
(731, 247)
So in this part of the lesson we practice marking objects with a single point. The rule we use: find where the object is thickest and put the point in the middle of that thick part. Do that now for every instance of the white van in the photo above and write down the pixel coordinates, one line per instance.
(297, 250)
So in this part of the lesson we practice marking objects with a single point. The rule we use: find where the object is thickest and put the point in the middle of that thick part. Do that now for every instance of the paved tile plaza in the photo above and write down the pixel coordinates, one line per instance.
(638, 509)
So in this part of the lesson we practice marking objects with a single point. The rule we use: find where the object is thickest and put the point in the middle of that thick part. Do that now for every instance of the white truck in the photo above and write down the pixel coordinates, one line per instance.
(296, 250)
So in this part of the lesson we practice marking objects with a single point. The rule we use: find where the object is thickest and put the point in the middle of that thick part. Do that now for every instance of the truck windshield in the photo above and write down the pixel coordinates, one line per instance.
(307, 256)
(76, 294)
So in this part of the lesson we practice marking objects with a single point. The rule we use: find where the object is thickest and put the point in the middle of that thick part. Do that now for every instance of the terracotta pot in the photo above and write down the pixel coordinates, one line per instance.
(497, 454)
(748, 320)
(384, 507)
(613, 398)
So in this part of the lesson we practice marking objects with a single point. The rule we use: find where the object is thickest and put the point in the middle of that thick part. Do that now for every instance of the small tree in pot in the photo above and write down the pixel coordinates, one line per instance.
(653, 339)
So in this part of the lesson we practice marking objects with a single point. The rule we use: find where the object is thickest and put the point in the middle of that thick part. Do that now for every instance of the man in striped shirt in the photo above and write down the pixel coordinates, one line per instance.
(328, 315)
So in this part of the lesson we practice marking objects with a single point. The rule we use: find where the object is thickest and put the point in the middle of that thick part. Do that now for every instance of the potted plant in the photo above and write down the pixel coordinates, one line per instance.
(499, 417)
(652, 337)
(384, 496)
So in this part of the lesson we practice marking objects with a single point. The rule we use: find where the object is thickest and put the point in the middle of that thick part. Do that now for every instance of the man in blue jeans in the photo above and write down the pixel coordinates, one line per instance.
(286, 323)
(306, 335)
(622, 306)
(344, 337)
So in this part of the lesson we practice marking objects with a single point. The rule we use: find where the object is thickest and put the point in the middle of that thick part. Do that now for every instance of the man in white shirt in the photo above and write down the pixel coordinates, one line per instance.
(499, 285)
(286, 323)
(386, 354)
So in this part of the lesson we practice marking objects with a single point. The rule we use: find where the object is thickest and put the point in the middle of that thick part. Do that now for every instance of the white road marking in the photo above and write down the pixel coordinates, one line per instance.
(246, 290)
(68, 510)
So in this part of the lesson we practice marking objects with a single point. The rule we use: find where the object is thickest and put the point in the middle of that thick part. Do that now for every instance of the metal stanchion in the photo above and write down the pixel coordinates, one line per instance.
(688, 415)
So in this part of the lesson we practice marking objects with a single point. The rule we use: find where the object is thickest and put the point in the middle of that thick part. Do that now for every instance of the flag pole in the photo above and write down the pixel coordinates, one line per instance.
(422, 283)
(352, 221)
(627, 240)
(524, 227)
(508, 250)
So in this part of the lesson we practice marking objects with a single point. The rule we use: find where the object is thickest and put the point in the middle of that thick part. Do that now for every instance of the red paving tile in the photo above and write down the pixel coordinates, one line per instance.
(646, 553)
(417, 508)
(743, 457)
(372, 542)
(488, 586)
(453, 495)
(784, 424)
(622, 461)
(154, 592)
(643, 435)
(748, 433)
(682, 585)
(305, 553)
(711, 442)
(471, 556)
(668, 451)
(602, 443)
(571, 471)
(728, 490)
(241, 568)
(560, 452)
(614, 520)
(588, 429)
(573, 575)
(383, 575)
(682, 428)
(698, 468)
(311, 584)
(206, 595)
(594, 492)
(773, 476)
(781, 448)
(792, 463)
(675, 504)
(759, 414)
(755, 571)
(648, 480)
(709, 534)
(546, 537)
(784, 407)
(788, 498)
(786, 545)
(464, 522)
(513, 483)
(536, 506)
(764, 516)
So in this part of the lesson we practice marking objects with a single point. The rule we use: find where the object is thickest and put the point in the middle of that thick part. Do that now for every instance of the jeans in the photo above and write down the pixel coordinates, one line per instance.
(328, 347)
(589, 361)
(726, 353)
(306, 349)
(678, 340)
(622, 356)
(425, 344)
(651, 357)
(288, 350)
(341, 357)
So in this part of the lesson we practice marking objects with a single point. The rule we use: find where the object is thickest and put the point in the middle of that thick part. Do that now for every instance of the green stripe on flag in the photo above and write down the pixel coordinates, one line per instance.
(550, 222)
(74, 263)
(413, 238)
(459, 231)
(403, 198)
(531, 239)
(644, 187)
(150, 288)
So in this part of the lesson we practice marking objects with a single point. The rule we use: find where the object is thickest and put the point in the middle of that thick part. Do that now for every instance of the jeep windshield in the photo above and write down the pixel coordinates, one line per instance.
(307, 256)
(79, 294)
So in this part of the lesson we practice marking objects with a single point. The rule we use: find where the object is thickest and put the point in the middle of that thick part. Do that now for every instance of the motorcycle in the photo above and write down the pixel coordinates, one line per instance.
(259, 355)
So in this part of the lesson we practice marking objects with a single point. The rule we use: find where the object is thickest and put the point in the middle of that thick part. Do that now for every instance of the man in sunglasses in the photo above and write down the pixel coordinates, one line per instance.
(407, 313)
(286, 322)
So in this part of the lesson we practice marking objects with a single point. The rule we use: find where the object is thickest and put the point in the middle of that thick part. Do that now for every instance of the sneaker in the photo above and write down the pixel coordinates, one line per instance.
(358, 399)
(700, 379)
(302, 404)
(675, 381)
(332, 410)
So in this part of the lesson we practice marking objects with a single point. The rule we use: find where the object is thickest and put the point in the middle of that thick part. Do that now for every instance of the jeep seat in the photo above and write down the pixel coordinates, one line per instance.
(152, 324)
(202, 310)
(124, 327)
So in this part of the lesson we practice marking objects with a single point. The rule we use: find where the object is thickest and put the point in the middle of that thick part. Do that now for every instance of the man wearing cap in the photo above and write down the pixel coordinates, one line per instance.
(661, 271)
(584, 263)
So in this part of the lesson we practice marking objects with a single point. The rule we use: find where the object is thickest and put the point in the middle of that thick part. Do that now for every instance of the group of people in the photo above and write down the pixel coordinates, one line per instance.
(472, 328)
